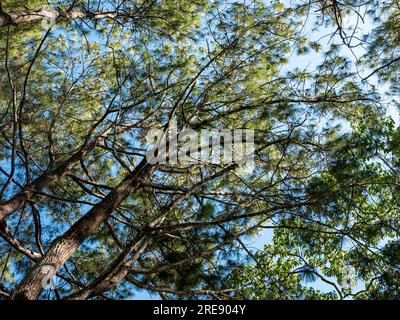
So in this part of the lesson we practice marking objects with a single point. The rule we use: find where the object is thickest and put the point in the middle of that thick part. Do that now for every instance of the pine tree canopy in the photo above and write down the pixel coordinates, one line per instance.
(86, 214)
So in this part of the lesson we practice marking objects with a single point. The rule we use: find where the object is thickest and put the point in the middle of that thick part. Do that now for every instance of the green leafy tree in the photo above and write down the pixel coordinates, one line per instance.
(83, 83)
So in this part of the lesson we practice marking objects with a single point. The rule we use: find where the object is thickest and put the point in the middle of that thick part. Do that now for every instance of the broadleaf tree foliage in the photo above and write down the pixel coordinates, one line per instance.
(82, 84)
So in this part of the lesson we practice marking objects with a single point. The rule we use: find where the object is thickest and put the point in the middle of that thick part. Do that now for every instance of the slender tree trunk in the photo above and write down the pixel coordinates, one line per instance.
(63, 247)
(115, 273)
(50, 14)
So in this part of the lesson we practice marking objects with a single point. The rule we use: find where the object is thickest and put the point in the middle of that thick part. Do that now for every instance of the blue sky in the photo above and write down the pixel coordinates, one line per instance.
(309, 61)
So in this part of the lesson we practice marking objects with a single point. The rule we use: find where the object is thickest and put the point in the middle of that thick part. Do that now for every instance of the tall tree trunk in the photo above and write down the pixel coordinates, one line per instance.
(65, 246)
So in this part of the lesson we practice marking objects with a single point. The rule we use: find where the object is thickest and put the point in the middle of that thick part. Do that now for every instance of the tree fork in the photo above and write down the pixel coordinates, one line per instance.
(65, 246)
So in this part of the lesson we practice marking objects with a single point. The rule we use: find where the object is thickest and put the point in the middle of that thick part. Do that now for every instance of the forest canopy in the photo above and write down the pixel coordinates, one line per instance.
(84, 214)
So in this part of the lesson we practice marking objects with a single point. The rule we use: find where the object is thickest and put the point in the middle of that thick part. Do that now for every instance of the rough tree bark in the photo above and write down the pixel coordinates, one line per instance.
(63, 247)
(50, 14)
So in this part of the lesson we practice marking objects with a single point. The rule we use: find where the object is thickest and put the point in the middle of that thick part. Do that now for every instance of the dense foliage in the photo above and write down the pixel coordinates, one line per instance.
(82, 83)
